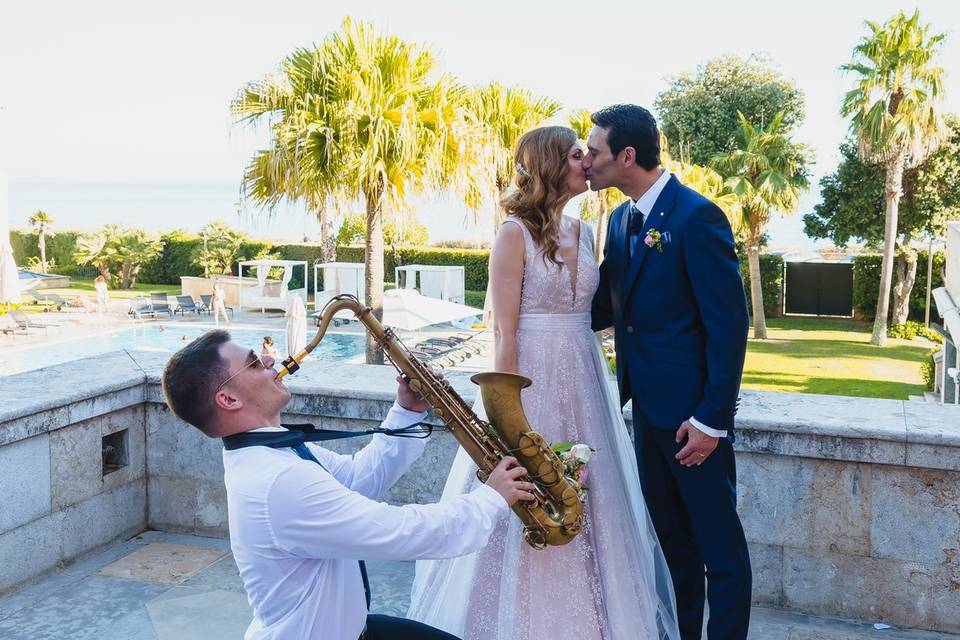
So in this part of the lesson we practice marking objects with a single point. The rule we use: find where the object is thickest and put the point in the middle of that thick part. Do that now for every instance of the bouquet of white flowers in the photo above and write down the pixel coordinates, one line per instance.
(575, 458)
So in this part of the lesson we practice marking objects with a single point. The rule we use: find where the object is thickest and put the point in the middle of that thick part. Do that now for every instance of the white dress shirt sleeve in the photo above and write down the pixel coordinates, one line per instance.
(375, 468)
(716, 433)
(313, 515)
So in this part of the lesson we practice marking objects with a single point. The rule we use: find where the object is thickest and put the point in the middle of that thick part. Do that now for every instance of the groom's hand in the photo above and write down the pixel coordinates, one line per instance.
(699, 445)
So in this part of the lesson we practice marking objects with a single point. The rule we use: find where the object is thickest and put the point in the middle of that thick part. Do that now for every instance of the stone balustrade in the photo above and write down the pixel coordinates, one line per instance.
(851, 505)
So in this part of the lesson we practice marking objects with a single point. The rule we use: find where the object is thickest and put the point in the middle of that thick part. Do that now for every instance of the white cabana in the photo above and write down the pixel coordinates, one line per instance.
(339, 278)
(445, 282)
(9, 276)
(271, 294)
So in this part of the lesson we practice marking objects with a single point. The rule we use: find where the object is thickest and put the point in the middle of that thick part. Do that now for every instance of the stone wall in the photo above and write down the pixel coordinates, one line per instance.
(851, 506)
(56, 502)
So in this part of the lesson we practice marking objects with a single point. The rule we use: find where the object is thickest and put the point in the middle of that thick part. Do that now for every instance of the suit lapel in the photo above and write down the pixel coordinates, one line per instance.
(658, 216)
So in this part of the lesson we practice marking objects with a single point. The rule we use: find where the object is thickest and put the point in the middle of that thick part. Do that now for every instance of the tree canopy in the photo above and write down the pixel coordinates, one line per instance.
(853, 200)
(698, 112)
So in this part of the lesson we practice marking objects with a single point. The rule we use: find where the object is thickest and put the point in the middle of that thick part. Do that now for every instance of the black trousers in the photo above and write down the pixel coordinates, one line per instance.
(380, 627)
(694, 511)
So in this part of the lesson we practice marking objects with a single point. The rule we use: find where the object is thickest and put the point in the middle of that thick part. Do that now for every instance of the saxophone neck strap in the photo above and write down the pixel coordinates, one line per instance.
(297, 434)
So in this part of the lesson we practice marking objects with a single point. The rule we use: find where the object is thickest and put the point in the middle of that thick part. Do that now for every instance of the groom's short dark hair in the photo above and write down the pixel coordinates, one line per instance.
(628, 125)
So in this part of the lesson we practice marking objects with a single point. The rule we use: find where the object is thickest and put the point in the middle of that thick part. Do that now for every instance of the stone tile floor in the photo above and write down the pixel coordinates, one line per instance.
(164, 586)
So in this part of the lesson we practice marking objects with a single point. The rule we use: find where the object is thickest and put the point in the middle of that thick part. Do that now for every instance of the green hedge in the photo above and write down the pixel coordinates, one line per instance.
(771, 276)
(60, 248)
(866, 284)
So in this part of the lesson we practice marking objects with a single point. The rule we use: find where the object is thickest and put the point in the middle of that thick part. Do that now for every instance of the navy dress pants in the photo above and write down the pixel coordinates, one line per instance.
(694, 511)
(380, 627)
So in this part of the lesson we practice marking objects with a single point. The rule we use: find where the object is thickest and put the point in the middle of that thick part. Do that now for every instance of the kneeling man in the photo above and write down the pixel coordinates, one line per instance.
(302, 516)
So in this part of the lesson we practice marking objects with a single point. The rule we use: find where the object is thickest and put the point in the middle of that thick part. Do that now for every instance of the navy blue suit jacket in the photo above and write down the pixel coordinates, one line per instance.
(680, 315)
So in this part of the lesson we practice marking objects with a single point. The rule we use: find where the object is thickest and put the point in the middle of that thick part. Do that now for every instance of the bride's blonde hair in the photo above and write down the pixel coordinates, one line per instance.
(541, 185)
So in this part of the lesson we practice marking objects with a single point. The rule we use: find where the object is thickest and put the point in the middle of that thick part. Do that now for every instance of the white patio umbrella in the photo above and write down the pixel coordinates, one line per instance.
(9, 277)
(407, 310)
(296, 328)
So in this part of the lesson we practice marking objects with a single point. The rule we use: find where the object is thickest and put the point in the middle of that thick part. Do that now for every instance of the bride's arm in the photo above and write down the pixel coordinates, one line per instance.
(506, 282)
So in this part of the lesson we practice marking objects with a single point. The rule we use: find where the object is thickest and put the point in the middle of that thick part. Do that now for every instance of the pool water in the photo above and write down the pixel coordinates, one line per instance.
(335, 346)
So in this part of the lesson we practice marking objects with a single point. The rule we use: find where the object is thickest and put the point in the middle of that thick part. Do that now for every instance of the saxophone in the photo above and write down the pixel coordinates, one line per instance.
(555, 517)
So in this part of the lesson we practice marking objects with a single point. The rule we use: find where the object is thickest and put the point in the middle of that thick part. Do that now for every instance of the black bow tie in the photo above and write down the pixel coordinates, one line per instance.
(636, 221)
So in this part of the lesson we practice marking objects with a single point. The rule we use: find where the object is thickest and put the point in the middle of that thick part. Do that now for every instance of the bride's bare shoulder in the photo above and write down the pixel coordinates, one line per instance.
(509, 238)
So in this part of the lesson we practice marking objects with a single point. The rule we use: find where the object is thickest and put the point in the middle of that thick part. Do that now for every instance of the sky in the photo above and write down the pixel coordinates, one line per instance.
(114, 91)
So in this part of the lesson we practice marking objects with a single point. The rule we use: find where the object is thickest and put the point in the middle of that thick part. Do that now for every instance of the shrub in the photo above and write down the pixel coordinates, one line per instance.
(911, 329)
(866, 284)
(928, 370)
(474, 299)
(60, 249)
(771, 277)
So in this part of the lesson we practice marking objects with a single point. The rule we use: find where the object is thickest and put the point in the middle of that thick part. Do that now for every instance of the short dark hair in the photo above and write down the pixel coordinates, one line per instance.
(191, 378)
(628, 125)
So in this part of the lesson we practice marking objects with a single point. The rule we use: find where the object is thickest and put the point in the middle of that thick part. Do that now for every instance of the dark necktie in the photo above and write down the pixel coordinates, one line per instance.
(302, 451)
(636, 227)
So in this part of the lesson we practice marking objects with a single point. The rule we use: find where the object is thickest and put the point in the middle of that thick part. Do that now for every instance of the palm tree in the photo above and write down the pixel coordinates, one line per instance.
(767, 172)
(133, 248)
(400, 126)
(711, 186)
(506, 113)
(596, 206)
(896, 118)
(41, 223)
(117, 250)
(295, 103)
(99, 248)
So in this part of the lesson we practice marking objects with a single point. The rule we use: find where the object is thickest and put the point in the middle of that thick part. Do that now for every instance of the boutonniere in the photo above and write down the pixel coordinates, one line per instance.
(656, 239)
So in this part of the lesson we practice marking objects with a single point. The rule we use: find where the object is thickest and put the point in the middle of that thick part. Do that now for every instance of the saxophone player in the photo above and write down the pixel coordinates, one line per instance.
(302, 518)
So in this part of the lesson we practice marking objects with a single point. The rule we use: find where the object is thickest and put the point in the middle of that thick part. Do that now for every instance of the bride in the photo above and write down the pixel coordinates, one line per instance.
(611, 582)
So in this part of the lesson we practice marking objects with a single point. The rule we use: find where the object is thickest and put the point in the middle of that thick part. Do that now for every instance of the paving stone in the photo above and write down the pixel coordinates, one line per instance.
(185, 614)
(95, 608)
(162, 562)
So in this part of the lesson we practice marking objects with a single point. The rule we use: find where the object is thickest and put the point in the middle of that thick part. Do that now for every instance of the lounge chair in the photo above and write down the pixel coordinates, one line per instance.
(25, 323)
(43, 300)
(140, 308)
(6, 328)
(186, 304)
(161, 303)
(208, 305)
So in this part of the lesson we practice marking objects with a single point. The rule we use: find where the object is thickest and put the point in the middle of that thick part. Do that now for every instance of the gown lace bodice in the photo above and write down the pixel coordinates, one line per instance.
(549, 288)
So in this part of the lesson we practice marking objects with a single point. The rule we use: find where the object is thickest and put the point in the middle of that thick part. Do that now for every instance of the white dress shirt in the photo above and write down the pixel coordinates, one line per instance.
(297, 529)
(645, 205)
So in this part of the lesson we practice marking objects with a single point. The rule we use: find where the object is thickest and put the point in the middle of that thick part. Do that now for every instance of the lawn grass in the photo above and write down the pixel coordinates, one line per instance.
(831, 356)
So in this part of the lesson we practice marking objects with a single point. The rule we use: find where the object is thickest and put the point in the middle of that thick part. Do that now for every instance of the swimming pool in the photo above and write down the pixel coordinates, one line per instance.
(335, 346)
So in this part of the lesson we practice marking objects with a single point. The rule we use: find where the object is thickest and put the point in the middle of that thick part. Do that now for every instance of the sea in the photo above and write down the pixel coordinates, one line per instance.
(165, 206)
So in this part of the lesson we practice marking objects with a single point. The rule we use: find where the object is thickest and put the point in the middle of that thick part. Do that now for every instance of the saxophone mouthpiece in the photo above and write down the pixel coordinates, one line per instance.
(289, 365)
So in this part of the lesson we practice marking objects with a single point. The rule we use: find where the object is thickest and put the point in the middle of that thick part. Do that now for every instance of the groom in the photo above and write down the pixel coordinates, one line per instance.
(670, 286)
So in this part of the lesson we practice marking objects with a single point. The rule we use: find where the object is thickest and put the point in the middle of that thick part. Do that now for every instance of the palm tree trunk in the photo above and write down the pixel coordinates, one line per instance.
(42, 242)
(373, 270)
(134, 272)
(601, 235)
(756, 289)
(892, 187)
(328, 249)
(906, 278)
